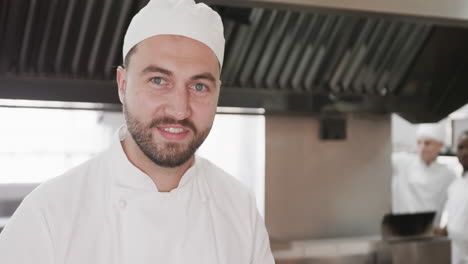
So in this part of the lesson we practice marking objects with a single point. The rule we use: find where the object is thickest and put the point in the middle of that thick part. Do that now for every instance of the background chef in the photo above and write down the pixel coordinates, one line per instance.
(419, 182)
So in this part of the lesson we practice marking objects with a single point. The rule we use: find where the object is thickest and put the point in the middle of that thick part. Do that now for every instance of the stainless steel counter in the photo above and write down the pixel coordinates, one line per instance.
(329, 251)
(366, 250)
(427, 251)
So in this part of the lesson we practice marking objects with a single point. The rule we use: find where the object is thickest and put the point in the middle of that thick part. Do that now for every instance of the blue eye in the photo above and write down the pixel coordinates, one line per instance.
(199, 87)
(157, 80)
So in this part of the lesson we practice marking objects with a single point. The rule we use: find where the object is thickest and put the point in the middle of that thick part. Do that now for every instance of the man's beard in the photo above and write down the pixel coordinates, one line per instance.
(164, 154)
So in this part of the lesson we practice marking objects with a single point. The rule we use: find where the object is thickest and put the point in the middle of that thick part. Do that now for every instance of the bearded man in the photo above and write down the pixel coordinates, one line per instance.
(149, 198)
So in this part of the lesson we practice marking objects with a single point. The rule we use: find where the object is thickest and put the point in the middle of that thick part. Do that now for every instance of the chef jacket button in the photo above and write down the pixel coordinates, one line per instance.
(122, 203)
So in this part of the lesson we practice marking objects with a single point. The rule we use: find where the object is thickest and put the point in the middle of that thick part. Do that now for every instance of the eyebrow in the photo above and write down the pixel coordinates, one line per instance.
(207, 76)
(153, 68)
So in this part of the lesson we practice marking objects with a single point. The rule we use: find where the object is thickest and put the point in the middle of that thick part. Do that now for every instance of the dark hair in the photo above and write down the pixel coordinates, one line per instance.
(126, 62)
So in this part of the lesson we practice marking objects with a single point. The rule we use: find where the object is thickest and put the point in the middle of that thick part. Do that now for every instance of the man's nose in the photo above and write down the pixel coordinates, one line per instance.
(178, 105)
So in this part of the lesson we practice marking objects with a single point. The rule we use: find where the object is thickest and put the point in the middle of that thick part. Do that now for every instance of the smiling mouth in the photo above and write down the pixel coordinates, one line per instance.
(174, 130)
(173, 133)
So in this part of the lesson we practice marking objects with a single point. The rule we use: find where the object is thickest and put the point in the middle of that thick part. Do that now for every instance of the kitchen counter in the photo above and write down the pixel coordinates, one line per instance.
(340, 250)
(364, 250)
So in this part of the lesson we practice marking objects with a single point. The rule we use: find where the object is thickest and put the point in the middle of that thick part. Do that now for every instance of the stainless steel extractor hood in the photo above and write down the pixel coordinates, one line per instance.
(287, 56)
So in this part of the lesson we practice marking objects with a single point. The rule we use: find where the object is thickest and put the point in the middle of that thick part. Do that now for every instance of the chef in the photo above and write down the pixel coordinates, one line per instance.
(419, 182)
(148, 198)
(457, 207)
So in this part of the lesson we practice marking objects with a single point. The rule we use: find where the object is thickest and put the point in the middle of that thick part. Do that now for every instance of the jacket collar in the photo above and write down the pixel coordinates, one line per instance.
(128, 176)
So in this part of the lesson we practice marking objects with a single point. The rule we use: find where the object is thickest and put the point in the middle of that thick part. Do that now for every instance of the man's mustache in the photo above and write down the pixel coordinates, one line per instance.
(170, 121)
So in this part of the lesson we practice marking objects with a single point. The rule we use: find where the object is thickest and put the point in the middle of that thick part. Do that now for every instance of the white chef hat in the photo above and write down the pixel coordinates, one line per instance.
(432, 131)
(177, 17)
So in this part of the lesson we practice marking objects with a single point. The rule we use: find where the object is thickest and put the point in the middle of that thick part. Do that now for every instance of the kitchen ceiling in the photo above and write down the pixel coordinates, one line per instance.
(284, 56)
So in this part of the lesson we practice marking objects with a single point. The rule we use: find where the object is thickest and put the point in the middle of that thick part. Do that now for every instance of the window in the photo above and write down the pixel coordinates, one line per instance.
(37, 144)
(237, 145)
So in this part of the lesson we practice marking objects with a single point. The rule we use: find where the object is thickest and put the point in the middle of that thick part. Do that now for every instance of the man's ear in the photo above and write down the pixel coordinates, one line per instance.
(218, 85)
(121, 76)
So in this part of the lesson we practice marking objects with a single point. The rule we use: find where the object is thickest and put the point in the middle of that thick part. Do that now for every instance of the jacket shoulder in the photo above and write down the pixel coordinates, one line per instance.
(222, 182)
(70, 184)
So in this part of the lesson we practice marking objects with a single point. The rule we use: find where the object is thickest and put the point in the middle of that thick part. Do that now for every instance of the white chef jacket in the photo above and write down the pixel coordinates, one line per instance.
(108, 211)
(417, 187)
(457, 225)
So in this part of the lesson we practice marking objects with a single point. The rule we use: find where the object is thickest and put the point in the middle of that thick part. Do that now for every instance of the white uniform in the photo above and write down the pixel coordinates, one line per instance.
(108, 211)
(457, 225)
(417, 187)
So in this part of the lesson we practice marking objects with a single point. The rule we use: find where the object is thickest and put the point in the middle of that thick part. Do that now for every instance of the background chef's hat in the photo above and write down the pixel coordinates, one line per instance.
(433, 131)
(177, 17)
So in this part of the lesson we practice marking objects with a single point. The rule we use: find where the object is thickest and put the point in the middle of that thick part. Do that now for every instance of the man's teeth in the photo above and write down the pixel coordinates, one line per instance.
(173, 130)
